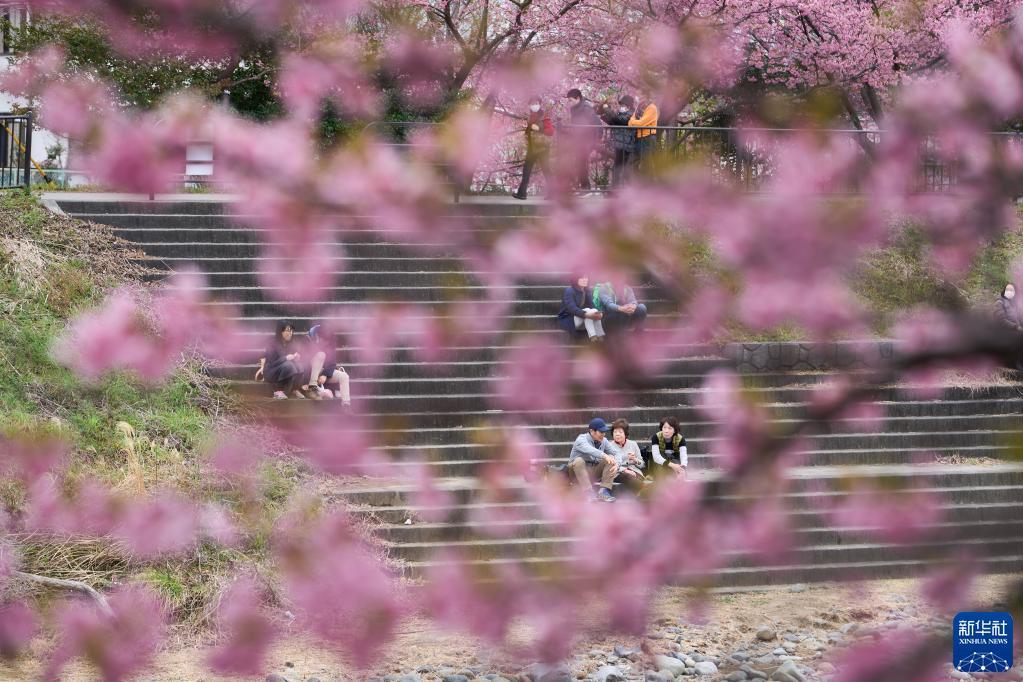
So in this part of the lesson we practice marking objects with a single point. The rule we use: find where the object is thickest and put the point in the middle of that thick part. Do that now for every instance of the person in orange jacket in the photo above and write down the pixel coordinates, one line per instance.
(539, 131)
(645, 119)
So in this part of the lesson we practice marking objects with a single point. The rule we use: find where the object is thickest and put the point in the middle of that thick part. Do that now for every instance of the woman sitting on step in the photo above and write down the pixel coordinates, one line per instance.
(282, 365)
(668, 453)
(325, 369)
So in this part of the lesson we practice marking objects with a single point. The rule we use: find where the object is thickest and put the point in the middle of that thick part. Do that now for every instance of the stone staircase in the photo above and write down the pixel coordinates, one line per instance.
(448, 407)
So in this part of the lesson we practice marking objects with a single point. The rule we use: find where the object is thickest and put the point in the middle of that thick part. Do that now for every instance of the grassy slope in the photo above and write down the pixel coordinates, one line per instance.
(52, 267)
(900, 277)
(36, 392)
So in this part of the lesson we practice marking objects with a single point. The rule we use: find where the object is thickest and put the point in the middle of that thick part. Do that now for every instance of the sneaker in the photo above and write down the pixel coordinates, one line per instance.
(323, 393)
(605, 495)
(280, 395)
(337, 394)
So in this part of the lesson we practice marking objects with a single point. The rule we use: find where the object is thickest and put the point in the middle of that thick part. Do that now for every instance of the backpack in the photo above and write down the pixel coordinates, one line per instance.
(596, 297)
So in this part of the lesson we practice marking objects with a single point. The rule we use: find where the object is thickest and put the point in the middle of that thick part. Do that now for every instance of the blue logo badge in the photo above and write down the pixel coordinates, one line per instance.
(982, 641)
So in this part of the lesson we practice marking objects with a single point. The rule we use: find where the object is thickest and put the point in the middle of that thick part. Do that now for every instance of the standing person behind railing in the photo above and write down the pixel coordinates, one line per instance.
(539, 131)
(583, 134)
(646, 136)
(623, 140)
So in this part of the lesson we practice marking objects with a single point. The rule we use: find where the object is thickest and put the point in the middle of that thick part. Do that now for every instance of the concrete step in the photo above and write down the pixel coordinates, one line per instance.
(667, 401)
(444, 291)
(849, 547)
(808, 486)
(452, 369)
(351, 251)
(431, 303)
(828, 567)
(381, 387)
(206, 229)
(872, 570)
(476, 458)
(227, 205)
(478, 224)
(466, 506)
(905, 410)
(350, 278)
(275, 263)
(987, 518)
(955, 433)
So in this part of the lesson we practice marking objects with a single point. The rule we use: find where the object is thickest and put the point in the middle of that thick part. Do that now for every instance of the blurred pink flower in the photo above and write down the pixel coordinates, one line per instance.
(340, 592)
(18, 624)
(537, 376)
(245, 628)
(118, 646)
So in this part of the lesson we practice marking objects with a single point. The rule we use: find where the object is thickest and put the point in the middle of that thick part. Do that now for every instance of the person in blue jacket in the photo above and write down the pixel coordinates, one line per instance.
(575, 315)
(620, 307)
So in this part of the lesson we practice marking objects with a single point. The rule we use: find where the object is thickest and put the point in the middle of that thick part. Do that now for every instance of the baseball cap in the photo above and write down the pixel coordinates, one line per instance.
(599, 424)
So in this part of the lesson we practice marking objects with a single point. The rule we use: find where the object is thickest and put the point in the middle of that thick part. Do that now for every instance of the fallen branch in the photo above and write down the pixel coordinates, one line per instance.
(100, 600)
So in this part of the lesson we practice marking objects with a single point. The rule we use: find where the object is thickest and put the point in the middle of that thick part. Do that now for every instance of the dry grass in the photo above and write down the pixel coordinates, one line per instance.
(99, 563)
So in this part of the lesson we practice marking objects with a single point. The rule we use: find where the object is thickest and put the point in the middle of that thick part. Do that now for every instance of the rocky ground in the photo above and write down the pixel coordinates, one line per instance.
(787, 635)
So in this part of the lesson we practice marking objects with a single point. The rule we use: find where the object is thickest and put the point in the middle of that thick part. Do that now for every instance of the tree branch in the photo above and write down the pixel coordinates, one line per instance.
(76, 585)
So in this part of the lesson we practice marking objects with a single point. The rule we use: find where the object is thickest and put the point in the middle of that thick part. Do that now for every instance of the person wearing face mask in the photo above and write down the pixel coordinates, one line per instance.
(583, 133)
(623, 138)
(1006, 311)
(645, 120)
(539, 131)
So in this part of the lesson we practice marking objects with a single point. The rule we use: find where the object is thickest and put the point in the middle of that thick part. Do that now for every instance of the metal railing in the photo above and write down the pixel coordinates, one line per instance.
(402, 136)
(15, 150)
(742, 156)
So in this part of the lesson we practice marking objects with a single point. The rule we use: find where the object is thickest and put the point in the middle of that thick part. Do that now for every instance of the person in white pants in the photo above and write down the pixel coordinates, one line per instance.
(574, 317)
(323, 372)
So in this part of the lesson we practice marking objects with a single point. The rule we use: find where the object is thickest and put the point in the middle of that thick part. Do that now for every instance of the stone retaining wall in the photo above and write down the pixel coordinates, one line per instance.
(798, 356)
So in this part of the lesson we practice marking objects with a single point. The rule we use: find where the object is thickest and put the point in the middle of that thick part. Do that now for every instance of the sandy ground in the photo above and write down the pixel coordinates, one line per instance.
(731, 622)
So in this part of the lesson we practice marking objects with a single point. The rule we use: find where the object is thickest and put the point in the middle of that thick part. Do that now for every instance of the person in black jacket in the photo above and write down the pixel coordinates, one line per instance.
(574, 315)
(1006, 311)
(282, 365)
(623, 138)
(583, 133)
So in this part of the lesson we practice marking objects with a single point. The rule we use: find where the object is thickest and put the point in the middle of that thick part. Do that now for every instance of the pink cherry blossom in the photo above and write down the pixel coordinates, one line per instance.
(246, 631)
(118, 646)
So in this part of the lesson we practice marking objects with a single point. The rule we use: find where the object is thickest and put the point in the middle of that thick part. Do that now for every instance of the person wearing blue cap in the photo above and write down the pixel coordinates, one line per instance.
(591, 453)
(325, 369)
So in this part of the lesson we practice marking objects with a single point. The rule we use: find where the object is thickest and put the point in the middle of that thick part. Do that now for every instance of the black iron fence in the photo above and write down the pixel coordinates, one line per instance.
(15, 150)
(610, 154)
(744, 156)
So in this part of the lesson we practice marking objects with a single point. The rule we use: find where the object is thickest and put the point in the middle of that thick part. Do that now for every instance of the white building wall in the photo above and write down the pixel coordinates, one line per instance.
(42, 139)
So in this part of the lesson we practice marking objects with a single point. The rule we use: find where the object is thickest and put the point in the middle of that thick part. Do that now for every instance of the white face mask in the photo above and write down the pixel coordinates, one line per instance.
(534, 107)
(1010, 293)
